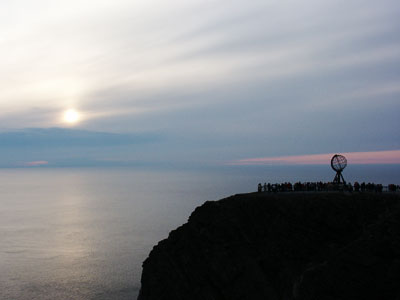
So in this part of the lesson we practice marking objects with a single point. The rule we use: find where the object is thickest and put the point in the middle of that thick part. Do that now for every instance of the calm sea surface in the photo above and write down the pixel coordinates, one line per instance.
(84, 233)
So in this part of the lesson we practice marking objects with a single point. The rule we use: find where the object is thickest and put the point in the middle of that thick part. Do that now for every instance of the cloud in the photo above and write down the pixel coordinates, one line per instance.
(35, 163)
(72, 147)
(357, 158)
(154, 47)
(69, 138)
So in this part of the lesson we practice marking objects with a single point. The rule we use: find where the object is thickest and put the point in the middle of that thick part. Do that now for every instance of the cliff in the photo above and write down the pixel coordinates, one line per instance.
(300, 246)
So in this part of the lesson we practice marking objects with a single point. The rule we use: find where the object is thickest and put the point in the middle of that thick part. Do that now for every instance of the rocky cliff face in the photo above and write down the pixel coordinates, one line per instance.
(284, 246)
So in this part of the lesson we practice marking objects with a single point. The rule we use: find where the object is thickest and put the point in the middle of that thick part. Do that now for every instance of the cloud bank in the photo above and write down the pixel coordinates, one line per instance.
(357, 158)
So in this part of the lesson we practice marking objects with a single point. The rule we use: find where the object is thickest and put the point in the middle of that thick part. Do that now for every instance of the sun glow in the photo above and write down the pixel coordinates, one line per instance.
(71, 116)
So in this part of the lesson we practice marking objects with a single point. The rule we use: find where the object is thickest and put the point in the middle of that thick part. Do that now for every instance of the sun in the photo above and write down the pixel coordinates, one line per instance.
(71, 116)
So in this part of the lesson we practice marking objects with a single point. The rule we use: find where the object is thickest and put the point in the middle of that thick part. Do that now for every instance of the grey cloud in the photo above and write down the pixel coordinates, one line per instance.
(69, 138)
(72, 147)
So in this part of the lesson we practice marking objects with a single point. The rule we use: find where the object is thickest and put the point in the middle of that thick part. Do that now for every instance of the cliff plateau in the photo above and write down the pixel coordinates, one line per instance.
(286, 246)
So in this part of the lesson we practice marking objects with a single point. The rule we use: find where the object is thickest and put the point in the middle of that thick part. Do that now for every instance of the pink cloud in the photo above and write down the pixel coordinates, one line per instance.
(375, 157)
(36, 163)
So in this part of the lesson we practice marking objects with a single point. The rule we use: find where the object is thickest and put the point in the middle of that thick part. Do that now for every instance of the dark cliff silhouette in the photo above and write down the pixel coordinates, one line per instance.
(300, 246)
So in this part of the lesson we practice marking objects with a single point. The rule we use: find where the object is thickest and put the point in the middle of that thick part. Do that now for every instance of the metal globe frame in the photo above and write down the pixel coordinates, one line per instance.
(338, 163)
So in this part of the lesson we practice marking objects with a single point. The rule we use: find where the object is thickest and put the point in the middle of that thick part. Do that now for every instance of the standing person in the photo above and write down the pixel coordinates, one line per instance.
(349, 187)
(265, 186)
(259, 187)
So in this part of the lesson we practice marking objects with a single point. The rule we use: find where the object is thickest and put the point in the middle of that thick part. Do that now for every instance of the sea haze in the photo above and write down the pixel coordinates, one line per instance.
(72, 233)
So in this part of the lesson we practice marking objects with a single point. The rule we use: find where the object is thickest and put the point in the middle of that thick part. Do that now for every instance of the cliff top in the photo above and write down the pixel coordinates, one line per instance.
(281, 246)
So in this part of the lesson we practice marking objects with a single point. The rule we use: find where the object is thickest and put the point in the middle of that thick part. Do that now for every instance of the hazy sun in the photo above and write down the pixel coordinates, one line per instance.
(71, 116)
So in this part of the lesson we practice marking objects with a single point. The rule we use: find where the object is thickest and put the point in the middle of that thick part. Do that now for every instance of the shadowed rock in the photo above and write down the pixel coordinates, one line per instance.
(301, 246)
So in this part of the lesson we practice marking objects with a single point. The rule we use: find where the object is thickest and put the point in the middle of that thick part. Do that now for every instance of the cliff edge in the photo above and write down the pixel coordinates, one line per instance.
(300, 246)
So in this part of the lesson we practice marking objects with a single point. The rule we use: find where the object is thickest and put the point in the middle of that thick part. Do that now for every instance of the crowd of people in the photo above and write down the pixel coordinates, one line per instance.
(324, 186)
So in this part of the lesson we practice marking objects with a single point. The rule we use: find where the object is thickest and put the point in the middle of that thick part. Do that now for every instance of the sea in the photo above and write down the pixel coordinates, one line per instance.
(83, 233)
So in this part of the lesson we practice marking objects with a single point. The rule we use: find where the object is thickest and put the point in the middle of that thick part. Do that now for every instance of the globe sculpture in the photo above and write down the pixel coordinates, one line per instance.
(338, 163)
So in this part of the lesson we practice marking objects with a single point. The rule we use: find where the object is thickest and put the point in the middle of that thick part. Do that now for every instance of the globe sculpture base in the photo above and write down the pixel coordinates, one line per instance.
(339, 178)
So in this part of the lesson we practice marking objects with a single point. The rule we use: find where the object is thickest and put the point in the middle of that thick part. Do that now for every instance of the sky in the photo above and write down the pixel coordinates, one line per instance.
(198, 82)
